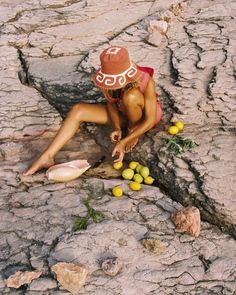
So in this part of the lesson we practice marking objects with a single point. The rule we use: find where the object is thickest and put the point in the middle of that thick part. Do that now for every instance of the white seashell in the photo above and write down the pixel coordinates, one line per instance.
(67, 171)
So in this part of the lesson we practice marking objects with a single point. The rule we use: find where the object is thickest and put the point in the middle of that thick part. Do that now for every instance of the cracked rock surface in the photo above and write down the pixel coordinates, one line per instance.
(48, 51)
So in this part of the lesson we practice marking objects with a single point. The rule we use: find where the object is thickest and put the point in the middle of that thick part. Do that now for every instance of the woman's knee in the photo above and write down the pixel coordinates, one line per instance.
(133, 98)
(76, 111)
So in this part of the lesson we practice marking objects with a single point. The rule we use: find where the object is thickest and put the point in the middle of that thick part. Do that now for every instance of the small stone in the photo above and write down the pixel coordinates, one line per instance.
(112, 266)
(153, 245)
(71, 276)
(122, 242)
(177, 9)
(167, 16)
(187, 220)
(158, 25)
(21, 278)
(154, 38)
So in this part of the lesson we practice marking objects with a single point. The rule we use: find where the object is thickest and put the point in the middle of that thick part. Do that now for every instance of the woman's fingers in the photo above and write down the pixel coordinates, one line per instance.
(120, 158)
(118, 149)
(115, 136)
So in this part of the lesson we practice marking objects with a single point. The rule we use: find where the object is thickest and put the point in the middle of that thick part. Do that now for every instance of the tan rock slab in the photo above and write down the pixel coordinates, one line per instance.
(104, 170)
(21, 278)
(71, 276)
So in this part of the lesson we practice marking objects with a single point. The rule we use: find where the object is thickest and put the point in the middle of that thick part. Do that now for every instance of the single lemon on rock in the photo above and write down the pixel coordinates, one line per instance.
(117, 191)
(118, 165)
(128, 174)
(135, 186)
(179, 125)
(173, 130)
(133, 165)
(138, 178)
(149, 180)
(144, 171)
(138, 168)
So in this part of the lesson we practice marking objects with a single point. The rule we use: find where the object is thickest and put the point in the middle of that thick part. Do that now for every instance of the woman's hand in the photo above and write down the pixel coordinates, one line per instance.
(116, 136)
(120, 150)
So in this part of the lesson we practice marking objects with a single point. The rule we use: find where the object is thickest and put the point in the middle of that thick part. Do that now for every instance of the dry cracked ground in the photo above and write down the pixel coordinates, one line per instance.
(48, 50)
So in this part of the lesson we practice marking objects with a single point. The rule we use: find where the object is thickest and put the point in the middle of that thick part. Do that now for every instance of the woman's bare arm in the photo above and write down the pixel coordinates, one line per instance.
(148, 121)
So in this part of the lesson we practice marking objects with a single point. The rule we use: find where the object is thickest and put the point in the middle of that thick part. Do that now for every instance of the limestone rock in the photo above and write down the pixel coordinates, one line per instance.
(154, 38)
(153, 245)
(112, 266)
(158, 25)
(71, 276)
(21, 278)
(188, 220)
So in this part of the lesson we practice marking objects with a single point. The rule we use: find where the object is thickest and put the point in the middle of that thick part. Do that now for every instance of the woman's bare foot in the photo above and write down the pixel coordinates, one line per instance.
(43, 161)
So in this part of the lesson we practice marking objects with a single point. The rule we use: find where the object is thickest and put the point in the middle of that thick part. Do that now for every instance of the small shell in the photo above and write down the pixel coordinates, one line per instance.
(67, 171)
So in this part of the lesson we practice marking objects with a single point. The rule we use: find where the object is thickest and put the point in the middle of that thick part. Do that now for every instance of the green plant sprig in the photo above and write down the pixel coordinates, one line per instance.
(96, 215)
(178, 144)
(81, 223)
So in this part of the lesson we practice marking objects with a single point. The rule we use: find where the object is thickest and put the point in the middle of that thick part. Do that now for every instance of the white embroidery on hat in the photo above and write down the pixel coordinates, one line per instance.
(110, 80)
(113, 50)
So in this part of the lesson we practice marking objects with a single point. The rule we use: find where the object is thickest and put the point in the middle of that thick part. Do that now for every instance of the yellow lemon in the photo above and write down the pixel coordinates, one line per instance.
(128, 174)
(117, 191)
(138, 168)
(118, 165)
(133, 165)
(173, 130)
(144, 171)
(135, 186)
(179, 125)
(149, 180)
(138, 178)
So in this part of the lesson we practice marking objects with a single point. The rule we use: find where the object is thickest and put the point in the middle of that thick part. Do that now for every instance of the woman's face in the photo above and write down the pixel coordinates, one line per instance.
(115, 93)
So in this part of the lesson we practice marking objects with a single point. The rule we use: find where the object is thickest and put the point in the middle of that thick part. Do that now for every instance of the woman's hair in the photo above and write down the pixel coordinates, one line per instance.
(116, 93)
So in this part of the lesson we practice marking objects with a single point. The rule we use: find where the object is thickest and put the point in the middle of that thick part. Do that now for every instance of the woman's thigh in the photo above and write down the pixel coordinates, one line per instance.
(94, 113)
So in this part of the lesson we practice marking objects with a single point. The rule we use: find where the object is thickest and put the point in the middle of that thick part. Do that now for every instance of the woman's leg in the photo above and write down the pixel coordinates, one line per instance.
(94, 113)
(133, 105)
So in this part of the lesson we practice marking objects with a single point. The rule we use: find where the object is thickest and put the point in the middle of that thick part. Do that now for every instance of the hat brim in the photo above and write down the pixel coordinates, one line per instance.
(105, 81)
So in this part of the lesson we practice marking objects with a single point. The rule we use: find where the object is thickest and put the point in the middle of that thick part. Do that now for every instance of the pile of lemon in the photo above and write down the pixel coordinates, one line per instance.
(137, 173)
(176, 128)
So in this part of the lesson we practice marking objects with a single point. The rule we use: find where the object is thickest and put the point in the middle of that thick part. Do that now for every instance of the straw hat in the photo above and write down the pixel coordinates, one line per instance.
(117, 70)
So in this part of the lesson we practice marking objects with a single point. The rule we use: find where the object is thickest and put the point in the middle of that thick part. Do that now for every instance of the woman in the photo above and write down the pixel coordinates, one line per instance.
(131, 101)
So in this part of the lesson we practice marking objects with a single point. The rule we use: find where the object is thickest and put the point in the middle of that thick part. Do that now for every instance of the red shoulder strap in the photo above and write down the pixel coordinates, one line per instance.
(148, 70)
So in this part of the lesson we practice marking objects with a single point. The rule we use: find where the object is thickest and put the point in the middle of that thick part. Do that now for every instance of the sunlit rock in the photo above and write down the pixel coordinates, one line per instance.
(71, 276)
(21, 278)
(188, 220)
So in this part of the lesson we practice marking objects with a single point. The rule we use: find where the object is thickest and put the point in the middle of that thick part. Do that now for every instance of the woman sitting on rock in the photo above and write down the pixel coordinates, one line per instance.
(131, 103)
